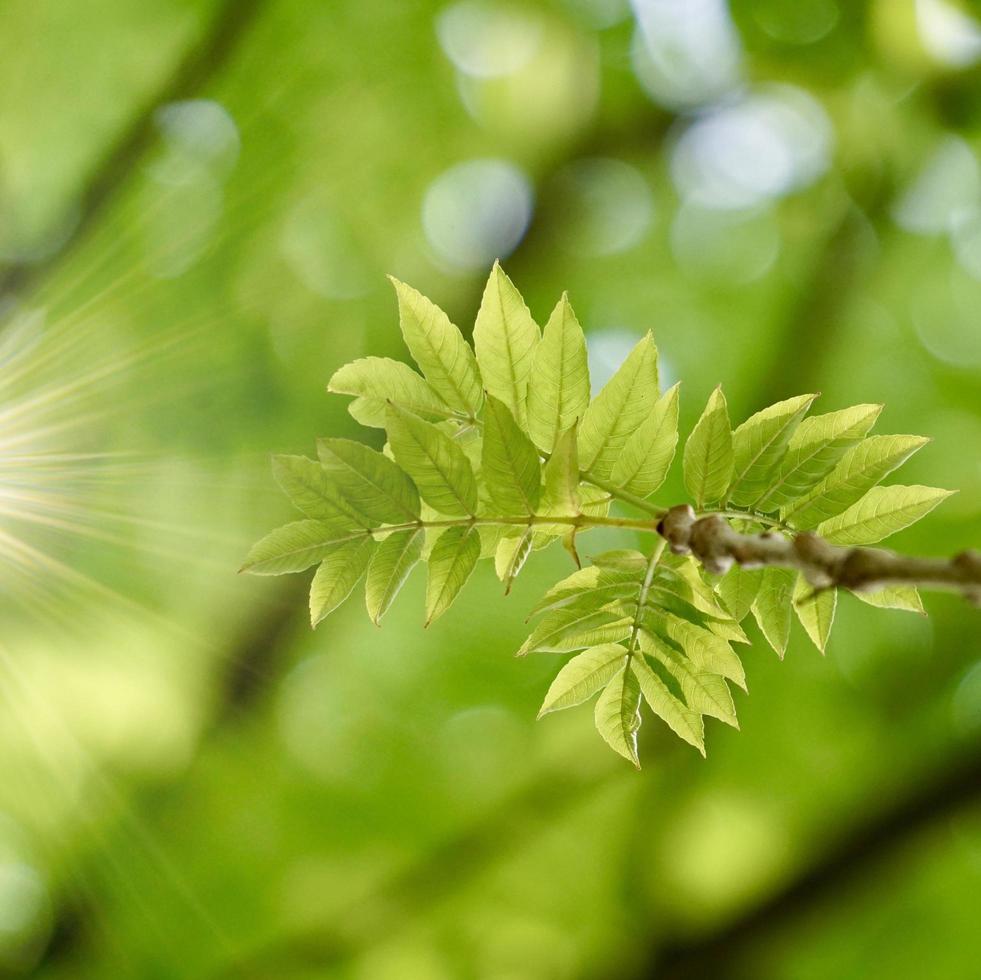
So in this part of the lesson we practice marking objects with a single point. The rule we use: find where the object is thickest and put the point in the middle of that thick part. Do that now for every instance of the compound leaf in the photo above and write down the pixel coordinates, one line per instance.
(682, 720)
(312, 491)
(584, 675)
(881, 512)
(377, 380)
(617, 714)
(337, 575)
(771, 607)
(509, 462)
(295, 547)
(647, 454)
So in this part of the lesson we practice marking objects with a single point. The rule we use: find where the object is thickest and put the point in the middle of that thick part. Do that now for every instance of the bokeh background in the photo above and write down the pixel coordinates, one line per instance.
(199, 201)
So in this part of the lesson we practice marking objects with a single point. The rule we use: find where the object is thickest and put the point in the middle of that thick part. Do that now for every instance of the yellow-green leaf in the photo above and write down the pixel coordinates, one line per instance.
(295, 547)
(312, 491)
(708, 455)
(510, 466)
(584, 675)
(682, 720)
(758, 446)
(559, 394)
(617, 714)
(881, 512)
(511, 555)
(450, 563)
(377, 380)
(771, 607)
(505, 337)
(815, 610)
(436, 464)
(647, 454)
(618, 409)
(337, 575)
(388, 569)
(904, 597)
(439, 349)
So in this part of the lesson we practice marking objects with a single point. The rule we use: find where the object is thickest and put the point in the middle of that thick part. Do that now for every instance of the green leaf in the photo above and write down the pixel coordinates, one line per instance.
(583, 676)
(682, 720)
(903, 597)
(771, 607)
(559, 395)
(337, 576)
(815, 610)
(560, 495)
(647, 454)
(511, 555)
(377, 380)
(758, 446)
(738, 588)
(860, 469)
(509, 463)
(450, 563)
(388, 569)
(618, 409)
(438, 347)
(505, 336)
(295, 547)
(436, 463)
(312, 491)
(577, 626)
(703, 690)
(881, 512)
(708, 458)
(814, 449)
(706, 651)
(379, 488)
(617, 714)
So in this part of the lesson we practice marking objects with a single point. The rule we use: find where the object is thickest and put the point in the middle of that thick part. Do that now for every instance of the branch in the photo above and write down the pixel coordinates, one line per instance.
(712, 540)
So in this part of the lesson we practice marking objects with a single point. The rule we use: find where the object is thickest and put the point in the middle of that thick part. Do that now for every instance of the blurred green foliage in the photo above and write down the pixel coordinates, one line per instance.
(787, 193)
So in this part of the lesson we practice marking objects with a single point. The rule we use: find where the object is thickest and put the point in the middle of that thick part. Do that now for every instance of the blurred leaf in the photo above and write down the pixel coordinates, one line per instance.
(438, 347)
(559, 393)
(450, 564)
(758, 446)
(618, 409)
(881, 512)
(436, 464)
(647, 454)
(708, 458)
(505, 337)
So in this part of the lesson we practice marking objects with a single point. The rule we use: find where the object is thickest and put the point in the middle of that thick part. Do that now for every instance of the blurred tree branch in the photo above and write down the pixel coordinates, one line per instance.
(229, 25)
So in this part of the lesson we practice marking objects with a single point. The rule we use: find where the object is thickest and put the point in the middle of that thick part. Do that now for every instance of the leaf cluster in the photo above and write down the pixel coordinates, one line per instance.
(497, 449)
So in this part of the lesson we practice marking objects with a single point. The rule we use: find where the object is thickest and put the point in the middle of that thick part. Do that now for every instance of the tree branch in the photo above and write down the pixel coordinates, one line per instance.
(714, 542)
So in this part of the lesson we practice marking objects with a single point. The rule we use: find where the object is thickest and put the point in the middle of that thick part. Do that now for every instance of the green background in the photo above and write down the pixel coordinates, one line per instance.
(199, 202)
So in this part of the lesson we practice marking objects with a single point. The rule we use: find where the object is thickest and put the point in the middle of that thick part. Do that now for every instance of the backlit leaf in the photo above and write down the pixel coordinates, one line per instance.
(439, 349)
(904, 597)
(738, 588)
(337, 576)
(771, 607)
(617, 714)
(559, 394)
(560, 495)
(377, 380)
(512, 553)
(708, 456)
(815, 610)
(388, 569)
(295, 547)
(682, 720)
(584, 675)
(450, 563)
(312, 491)
(881, 512)
(505, 337)
(509, 463)
(814, 449)
(758, 446)
(618, 410)
(380, 489)
(860, 469)
(436, 464)
(647, 454)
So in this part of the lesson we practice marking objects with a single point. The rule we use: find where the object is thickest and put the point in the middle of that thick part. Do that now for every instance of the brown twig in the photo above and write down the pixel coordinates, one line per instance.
(718, 546)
